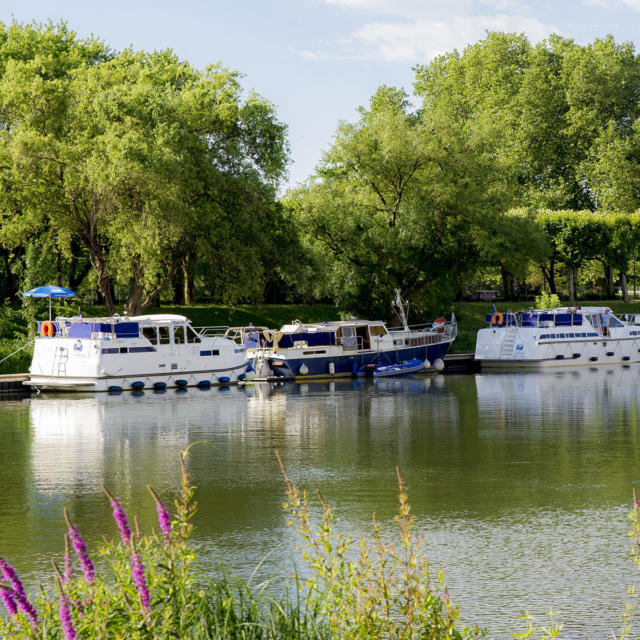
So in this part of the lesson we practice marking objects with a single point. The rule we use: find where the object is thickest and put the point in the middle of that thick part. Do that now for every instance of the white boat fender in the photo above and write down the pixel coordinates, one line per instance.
(332, 368)
(426, 364)
(303, 370)
(438, 364)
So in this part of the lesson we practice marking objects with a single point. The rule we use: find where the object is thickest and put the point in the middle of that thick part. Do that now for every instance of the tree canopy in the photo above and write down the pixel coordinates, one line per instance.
(143, 160)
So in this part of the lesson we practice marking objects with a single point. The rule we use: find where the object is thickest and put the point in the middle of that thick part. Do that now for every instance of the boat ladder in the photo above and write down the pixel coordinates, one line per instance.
(261, 366)
(508, 341)
(63, 356)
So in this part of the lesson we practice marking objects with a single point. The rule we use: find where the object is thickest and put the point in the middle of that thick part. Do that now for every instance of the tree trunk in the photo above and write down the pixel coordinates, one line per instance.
(571, 281)
(188, 282)
(608, 272)
(505, 283)
(549, 276)
(104, 285)
(139, 299)
(58, 266)
(625, 287)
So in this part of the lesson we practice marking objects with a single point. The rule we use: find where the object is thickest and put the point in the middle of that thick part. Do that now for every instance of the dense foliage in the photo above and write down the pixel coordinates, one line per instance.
(420, 198)
(137, 176)
(137, 165)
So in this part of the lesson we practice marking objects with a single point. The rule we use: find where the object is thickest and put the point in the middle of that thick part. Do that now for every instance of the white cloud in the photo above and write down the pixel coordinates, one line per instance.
(420, 40)
(418, 30)
(632, 4)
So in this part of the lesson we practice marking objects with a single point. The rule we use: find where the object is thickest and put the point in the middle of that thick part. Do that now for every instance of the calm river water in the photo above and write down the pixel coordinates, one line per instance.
(521, 483)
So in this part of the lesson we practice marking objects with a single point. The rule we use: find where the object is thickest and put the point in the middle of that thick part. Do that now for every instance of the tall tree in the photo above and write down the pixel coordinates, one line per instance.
(131, 153)
(395, 203)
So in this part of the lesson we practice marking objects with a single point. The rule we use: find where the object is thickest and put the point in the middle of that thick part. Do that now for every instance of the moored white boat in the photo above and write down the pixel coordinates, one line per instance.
(557, 337)
(143, 352)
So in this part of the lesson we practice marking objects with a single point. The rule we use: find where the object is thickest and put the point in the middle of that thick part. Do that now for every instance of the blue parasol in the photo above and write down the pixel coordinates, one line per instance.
(50, 291)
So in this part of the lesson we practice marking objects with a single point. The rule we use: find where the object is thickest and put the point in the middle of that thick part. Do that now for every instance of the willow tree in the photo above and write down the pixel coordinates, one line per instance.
(394, 204)
(132, 153)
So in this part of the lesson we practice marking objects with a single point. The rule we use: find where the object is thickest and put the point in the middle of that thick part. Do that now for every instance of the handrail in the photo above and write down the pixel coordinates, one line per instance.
(211, 330)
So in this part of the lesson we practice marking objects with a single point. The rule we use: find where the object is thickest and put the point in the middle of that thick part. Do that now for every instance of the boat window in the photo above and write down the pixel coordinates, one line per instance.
(163, 333)
(363, 337)
(192, 336)
(150, 334)
(377, 330)
(178, 334)
(347, 337)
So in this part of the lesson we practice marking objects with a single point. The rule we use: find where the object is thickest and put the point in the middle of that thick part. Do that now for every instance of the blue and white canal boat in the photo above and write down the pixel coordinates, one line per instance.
(557, 337)
(124, 353)
(351, 348)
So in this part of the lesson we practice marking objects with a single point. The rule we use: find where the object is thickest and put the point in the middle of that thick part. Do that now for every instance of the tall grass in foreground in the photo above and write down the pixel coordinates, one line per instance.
(152, 588)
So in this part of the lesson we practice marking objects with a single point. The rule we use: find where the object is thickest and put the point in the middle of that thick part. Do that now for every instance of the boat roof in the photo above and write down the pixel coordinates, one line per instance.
(571, 310)
(328, 326)
(159, 317)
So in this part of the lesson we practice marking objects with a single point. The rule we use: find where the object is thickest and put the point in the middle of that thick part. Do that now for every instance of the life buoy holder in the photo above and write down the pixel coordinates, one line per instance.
(497, 318)
(439, 324)
(47, 329)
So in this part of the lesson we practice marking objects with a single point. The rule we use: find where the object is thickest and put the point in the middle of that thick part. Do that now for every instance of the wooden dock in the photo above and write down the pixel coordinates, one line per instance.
(12, 383)
(461, 362)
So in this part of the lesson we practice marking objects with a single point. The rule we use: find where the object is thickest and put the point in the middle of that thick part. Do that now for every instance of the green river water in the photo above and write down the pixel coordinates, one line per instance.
(521, 483)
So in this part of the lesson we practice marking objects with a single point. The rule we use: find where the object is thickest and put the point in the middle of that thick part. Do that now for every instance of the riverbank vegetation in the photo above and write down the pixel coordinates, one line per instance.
(149, 586)
(142, 182)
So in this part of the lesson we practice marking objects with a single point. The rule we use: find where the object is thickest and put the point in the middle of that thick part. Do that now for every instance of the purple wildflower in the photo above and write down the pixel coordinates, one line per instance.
(65, 617)
(28, 608)
(11, 575)
(81, 549)
(18, 595)
(68, 566)
(137, 571)
(119, 516)
(164, 518)
(121, 519)
(7, 598)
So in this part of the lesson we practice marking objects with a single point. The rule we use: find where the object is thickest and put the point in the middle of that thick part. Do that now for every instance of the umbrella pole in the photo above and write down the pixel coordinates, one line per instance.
(49, 308)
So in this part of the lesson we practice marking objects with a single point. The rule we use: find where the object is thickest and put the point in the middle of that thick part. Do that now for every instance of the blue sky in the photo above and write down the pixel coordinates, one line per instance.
(318, 60)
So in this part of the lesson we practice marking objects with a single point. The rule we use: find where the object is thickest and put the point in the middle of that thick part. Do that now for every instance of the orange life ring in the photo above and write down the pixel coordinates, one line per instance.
(47, 329)
(497, 318)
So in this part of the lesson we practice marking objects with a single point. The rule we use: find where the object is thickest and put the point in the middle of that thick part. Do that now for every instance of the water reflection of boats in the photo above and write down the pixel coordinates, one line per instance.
(80, 438)
(559, 395)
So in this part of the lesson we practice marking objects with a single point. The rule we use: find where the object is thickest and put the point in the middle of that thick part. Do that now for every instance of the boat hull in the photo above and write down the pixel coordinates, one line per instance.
(348, 364)
(139, 382)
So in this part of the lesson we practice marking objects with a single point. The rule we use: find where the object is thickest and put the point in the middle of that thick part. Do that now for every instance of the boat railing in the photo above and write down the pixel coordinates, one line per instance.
(544, 319)
(211, 331)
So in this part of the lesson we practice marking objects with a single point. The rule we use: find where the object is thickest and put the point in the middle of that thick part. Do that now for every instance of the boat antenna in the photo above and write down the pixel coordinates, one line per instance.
(399, 303)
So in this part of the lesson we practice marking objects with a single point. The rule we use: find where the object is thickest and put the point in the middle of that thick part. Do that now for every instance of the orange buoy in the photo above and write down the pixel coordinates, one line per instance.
(47, 329)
